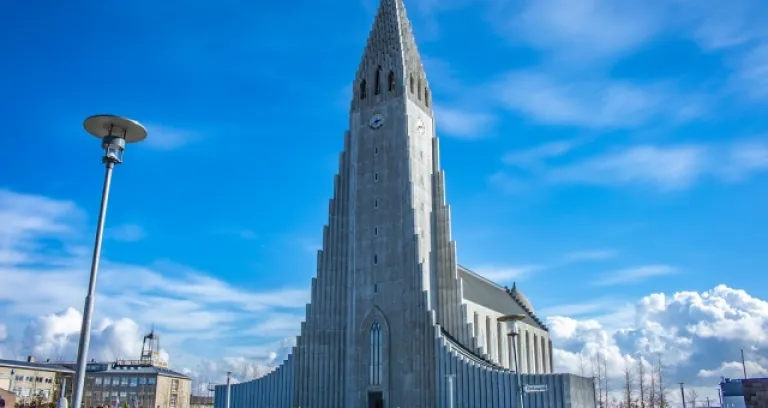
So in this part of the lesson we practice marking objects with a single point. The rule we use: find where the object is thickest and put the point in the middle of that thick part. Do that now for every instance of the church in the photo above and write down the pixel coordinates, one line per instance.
(394, 320)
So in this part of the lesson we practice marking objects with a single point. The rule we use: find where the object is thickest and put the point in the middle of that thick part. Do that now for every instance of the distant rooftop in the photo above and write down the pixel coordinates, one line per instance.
(32, 365)
(125, 366)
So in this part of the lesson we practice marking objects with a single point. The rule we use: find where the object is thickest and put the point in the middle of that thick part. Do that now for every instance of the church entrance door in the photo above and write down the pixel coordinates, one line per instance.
(375, 399)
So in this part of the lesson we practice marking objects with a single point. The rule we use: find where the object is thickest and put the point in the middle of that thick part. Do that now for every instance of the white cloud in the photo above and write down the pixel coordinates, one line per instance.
(665, 168)
(696, 335)
(635, 275)
(504, 274)
(591, 255)
(579, 30)
(533, 157)
(598, 104)
(463, 124)
(161, 137)
(46, 253)
(126, 233)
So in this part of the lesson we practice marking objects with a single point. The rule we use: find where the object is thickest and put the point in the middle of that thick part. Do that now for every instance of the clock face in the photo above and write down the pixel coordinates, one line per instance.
(376, 121)
(420, 127)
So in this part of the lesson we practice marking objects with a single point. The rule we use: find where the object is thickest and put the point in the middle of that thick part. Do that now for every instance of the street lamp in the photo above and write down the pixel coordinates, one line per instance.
(229, 388)
(114, 132)
(514, 331)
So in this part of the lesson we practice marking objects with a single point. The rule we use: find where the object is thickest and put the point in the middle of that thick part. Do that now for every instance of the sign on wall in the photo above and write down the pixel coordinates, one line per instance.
(535, 388)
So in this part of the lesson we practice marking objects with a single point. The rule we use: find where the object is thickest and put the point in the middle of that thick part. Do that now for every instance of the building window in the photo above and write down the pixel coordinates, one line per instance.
(362, 89)
(375, 150)
(391, 81)
(134, 381)
(375, 230)
(97, 380)
(426, 97)
(142, 380)
(375, 288)
(410, 83)
(418, 95)
(375, 354)
(375, 259)
(375, 176)
(376, 203)
(377, 87)
(151, 380)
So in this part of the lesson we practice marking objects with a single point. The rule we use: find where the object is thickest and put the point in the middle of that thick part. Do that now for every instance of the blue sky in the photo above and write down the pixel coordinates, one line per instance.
(595, 153)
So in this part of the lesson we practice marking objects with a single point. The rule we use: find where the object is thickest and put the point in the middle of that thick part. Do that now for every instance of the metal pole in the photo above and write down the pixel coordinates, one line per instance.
(450, 390)
(720, 397)
(85, 330)
(682, 393)
(743, 364)
(229, 389)
(517, 372)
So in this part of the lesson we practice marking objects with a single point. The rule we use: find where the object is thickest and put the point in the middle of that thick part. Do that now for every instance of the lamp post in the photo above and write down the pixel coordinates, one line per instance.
(114, 132)
(682, 393)
(514, 330)
(229, 389)
(450, 389)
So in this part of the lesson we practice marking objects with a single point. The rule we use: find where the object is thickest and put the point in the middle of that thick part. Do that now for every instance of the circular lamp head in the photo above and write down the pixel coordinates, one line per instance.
(102, 126)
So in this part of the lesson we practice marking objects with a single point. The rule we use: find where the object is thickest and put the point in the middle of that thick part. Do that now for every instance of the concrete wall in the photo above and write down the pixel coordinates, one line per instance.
(477, 384)
(755, 392)
(274, 390)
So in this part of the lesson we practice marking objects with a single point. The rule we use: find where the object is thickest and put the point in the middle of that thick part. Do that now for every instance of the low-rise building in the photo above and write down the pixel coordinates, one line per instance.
(199, 401)
(33, 382)
(137, 383)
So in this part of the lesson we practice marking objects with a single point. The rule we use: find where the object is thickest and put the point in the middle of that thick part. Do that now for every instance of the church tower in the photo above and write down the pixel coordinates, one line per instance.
(393, 320)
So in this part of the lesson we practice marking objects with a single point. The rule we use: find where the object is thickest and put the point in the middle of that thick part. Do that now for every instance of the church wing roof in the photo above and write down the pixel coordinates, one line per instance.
(482, 291)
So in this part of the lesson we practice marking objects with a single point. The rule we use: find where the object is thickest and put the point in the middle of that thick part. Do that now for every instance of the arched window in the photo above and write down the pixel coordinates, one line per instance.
(377, 89)
(362, 89)
(391, 81)
(375, 353)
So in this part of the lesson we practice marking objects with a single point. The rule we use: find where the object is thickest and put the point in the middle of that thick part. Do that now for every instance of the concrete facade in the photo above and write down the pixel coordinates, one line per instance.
(32, 381)
(755, 392)
(392, 313)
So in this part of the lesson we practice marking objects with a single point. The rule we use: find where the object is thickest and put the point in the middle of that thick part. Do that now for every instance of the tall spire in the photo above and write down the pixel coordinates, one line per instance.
(391, 47)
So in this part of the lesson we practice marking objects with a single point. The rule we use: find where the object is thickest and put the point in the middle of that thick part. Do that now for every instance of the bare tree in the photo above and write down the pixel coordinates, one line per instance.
(692, 397)
(628, 382)
(606, 384)
(652, 390)
(597, 374)
(582, 365)
(662, 390)
(641, 381)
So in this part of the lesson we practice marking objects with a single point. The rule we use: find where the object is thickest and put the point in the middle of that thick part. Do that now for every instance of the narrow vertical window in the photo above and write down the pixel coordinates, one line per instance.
(375, 176)
(375, 230)
(410, 83)
(375, 353)
(377, 89)
(418, 90)
(375, 288)
(391, 81)
(362, 89)
(375, 259)
(477, 325)
(376, 203)
(426, 97)
(375, 150)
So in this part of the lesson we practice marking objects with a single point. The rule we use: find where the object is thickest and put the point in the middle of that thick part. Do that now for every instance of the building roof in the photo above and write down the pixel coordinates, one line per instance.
(482, 291)
(47, 366)
(117, 368)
